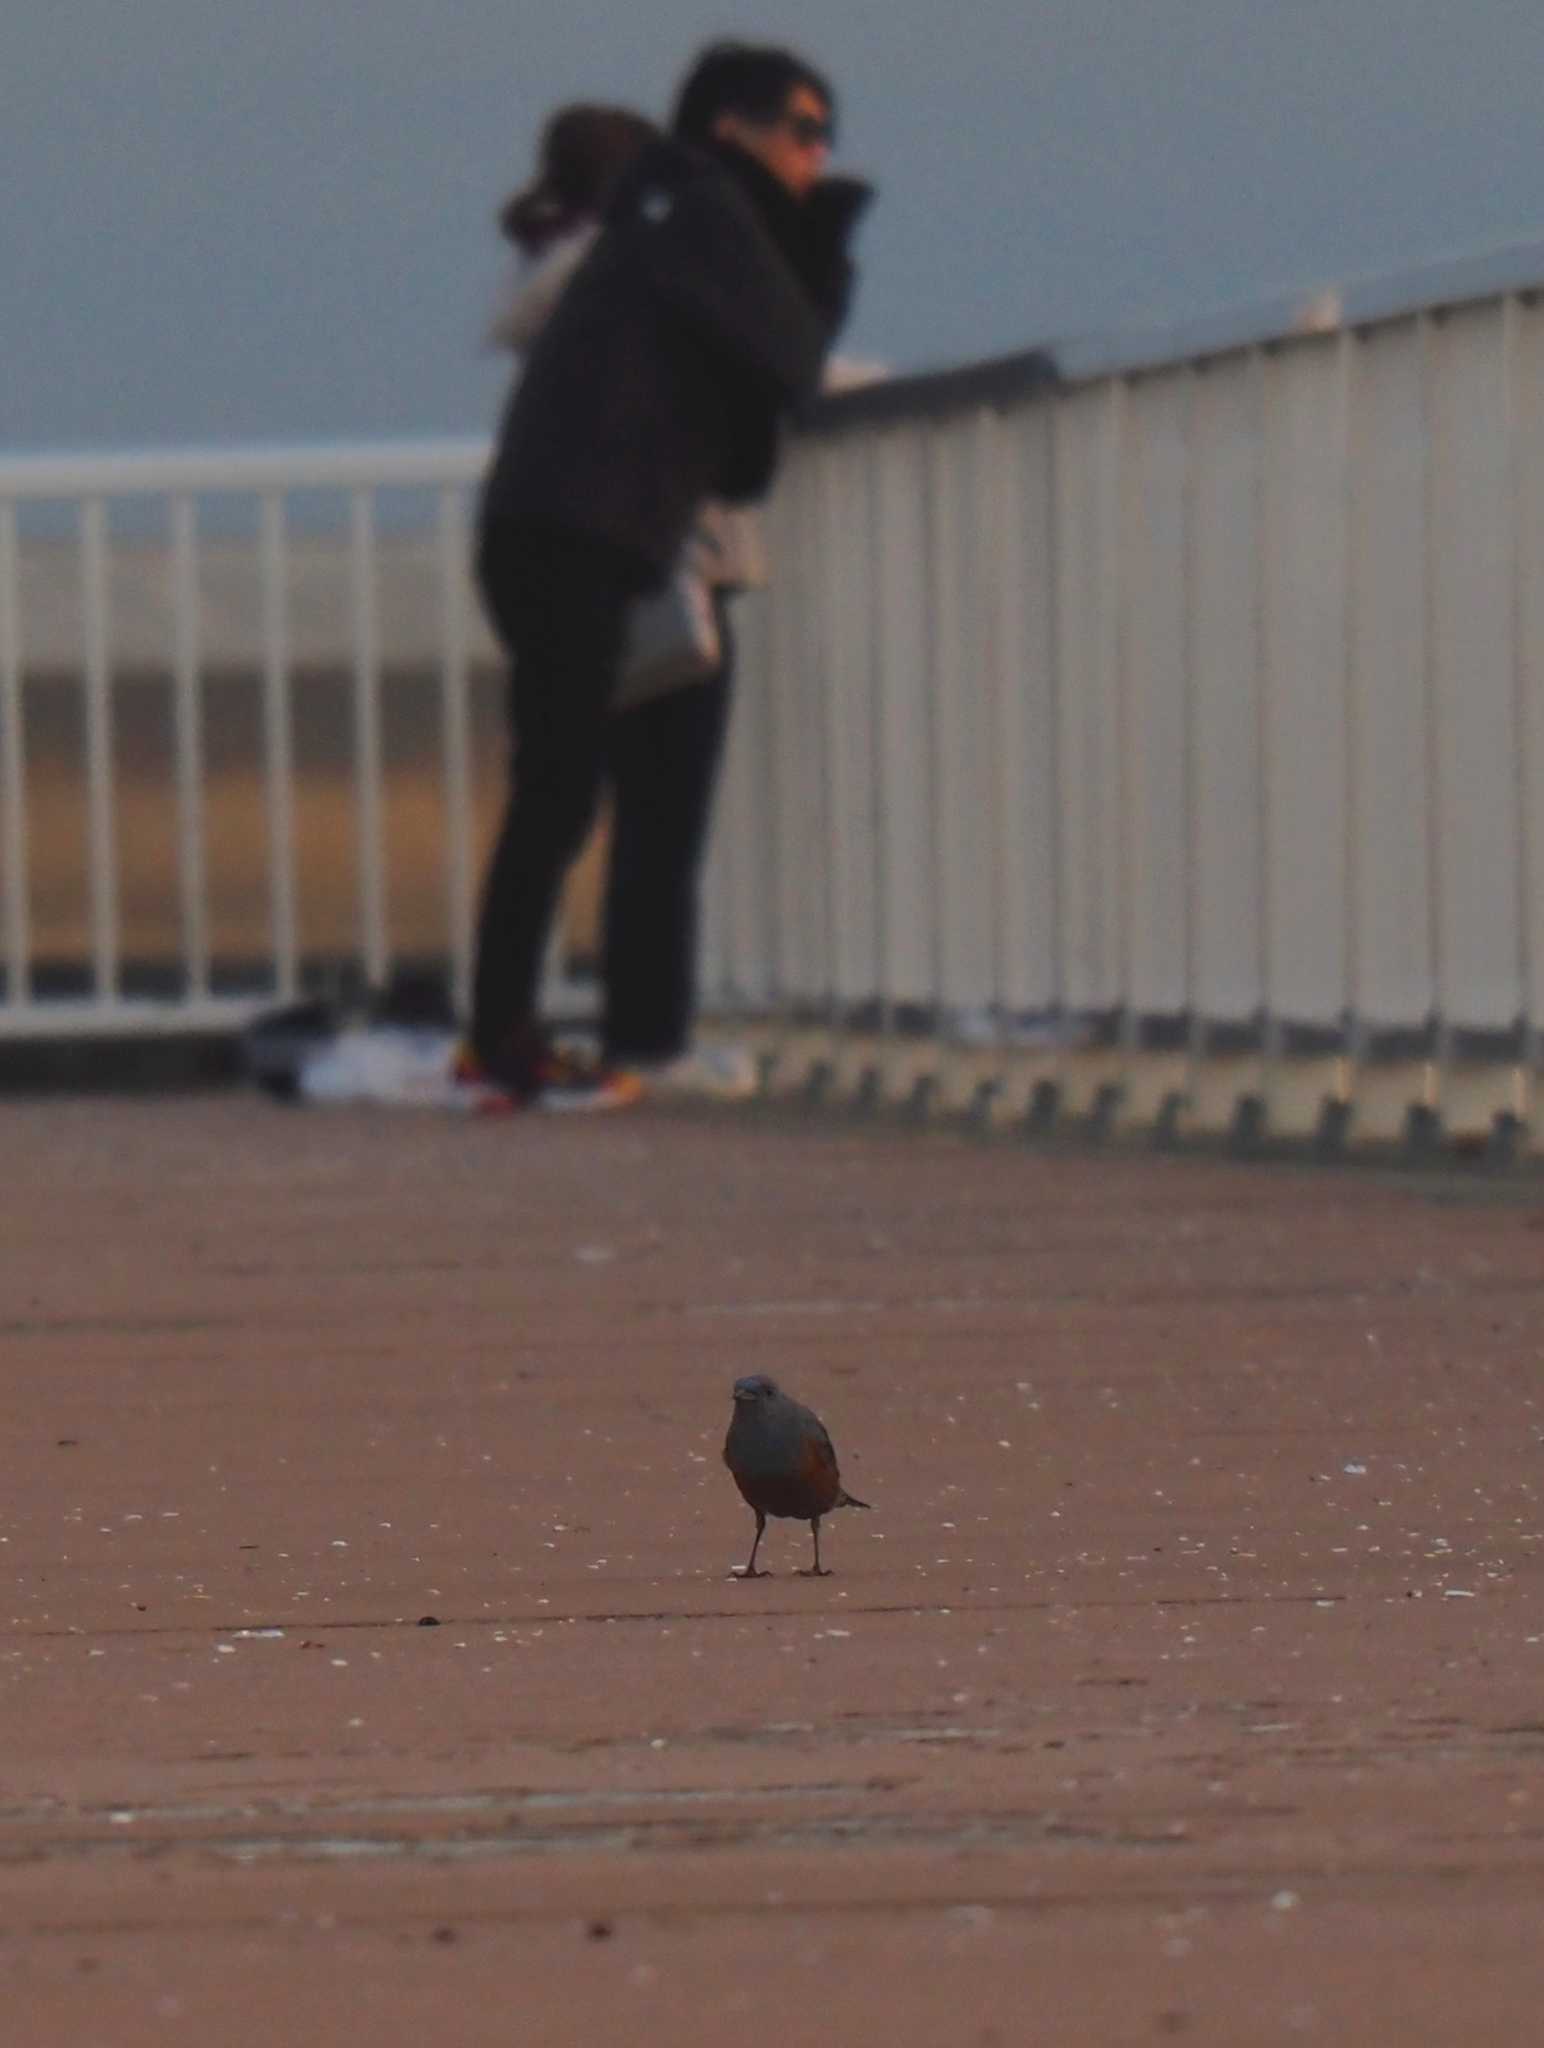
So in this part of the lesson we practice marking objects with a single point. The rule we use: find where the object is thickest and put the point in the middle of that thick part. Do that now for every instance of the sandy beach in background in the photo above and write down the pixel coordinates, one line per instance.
(237, 852)
(411, 595)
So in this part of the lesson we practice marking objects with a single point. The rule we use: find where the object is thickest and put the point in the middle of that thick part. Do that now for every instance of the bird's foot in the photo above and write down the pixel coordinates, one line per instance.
(816, 1571)
(746, 1571)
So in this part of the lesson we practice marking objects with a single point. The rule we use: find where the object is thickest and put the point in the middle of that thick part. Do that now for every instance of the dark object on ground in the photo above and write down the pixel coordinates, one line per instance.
(783, 1461)
(276, 1045)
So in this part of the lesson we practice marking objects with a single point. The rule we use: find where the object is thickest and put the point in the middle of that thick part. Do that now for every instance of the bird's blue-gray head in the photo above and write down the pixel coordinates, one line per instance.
(754, 1389)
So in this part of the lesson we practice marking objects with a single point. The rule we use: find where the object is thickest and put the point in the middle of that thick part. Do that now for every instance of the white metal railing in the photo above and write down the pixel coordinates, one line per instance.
(164, 598)
(1202, 695)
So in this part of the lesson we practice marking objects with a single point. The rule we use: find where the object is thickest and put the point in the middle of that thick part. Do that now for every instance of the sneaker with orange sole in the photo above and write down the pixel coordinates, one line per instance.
(599, 1088)
(478, 1091)
(554, 1079)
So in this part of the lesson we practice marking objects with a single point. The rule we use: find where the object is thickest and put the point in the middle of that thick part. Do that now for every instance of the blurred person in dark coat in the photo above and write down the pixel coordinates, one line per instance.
(659, 380)
(665, 740)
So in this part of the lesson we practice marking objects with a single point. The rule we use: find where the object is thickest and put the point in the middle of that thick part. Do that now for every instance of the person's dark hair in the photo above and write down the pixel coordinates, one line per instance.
(584, 152)
(749, 79)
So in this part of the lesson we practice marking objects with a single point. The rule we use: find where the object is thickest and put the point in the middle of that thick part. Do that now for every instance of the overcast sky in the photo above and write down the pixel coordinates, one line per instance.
(272, 220)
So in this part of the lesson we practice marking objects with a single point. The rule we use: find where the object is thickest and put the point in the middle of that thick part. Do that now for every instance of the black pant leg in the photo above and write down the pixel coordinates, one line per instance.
(664, 760)
(560, 608)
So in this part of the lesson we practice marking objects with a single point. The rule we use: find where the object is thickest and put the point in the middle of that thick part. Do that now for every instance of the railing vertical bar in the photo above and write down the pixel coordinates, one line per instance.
(454, 685)
(825, 602)
(368, 794)
(1265, 602)
(996, 588)
(102, 855)
(1057, 718)
(13, 769)
(1350, 937)
(278, 749)
(189, 728)
(1523, 763)
(1353, 698)
(1125, 762)
(1192, 736)
(1528, 611)
(872, 736)
(927, 582)
(1437, 937)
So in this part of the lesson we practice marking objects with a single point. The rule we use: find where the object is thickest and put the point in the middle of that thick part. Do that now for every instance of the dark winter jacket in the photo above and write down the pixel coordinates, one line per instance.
(702, 314)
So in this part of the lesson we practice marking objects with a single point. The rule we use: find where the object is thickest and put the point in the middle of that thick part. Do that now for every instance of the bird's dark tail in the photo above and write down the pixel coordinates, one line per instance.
(850, 1500)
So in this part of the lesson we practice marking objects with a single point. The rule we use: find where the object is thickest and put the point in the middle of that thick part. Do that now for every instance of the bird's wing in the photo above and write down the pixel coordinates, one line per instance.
(815, 1429)
(817, 1459)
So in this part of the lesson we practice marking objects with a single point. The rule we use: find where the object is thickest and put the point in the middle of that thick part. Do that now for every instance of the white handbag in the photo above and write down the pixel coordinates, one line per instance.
(673, 639)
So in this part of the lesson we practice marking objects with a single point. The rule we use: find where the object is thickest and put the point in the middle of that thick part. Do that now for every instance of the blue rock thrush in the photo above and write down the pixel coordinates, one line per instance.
(783, 1461)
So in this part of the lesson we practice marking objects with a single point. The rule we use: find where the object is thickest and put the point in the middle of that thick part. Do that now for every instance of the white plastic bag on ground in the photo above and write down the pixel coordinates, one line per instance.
(383, 1063)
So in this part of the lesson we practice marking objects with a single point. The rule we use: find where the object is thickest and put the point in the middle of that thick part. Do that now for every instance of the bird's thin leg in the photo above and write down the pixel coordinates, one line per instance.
(750, 1571)
(815, 1571)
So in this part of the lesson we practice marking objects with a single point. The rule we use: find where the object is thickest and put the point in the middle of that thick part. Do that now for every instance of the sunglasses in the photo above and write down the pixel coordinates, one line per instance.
(808, 130)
